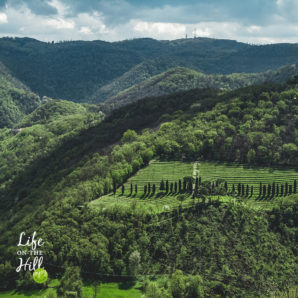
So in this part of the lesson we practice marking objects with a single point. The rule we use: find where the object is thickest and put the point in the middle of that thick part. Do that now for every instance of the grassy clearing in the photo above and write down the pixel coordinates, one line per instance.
(26, 294)
(102, 290)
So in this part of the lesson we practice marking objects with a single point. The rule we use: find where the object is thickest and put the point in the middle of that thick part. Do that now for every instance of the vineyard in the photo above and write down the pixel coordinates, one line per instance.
(163, 184)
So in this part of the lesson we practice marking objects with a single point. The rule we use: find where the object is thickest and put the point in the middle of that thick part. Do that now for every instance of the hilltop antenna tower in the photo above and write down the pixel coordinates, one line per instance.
(195, 33)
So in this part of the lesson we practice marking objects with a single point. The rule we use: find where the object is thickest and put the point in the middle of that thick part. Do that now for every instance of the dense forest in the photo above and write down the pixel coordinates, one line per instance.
(76, 70)
(183, 79)
(53, 168)
(16, 100)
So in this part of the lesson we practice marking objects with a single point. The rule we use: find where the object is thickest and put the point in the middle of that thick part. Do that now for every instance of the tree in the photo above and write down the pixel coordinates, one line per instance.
(260, 190)
(233, 188)
(131, 188)
(162, 185)
(200, 180)
(194, 286)
(264, 191)
(277, 190)
(178, 285)
(269, 190)
(129, 136)
(295, 186)
(136, 188)
(122, 189)
(134, 263)
(247, 190)
(251, 156)
(242, 190)
(281, 189)
(251, 191)
(176, 187)
(167, 186)
(226, 185)
(153, 188)
(286, 188)
(239, 189)
(145, 189)
(180, 186)
(171, 187)
(71, 282)
(149, 188)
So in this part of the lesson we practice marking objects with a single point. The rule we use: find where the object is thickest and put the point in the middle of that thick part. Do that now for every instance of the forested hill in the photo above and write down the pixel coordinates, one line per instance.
(182, 79)
(49, 170)
(75, 70)
(16, 99)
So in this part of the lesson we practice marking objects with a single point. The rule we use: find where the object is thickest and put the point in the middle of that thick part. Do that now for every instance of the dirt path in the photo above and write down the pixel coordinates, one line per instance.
(195, 174)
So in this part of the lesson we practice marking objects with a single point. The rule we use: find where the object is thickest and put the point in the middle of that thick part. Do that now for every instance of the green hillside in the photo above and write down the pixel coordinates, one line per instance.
(76, 70)
(16, 100)
(182, 79)
(50, 174)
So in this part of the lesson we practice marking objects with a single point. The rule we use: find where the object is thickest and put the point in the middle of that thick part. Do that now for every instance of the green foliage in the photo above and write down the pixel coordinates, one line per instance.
(182, 79)
(77, 70)
(71, 283)
(47, 183)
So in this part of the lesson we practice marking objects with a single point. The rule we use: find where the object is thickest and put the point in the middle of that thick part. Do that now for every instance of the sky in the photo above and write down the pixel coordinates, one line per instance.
(250, 21)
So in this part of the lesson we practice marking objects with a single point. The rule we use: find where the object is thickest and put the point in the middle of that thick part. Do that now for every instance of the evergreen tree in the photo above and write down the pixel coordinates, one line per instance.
(122, 189)
(131, 188)
(295, 186)
(281, 189)
(233, 188)
(239, 189)
(226, 185)
(189, 187)
(290, 189)
(247, 190)
(162, 185)
(153, 188)
(260, 190)
(149, 188)
(171, 187)
(273, 189)
(269, 190)
(200, 180)
(184, 185)
(251, 191)
(114, 187)
(136, 188)
(180, 185)
(286, 188)
(145, 189)
(264, 190)
(167, 186)
(277, 190)
(176, 187)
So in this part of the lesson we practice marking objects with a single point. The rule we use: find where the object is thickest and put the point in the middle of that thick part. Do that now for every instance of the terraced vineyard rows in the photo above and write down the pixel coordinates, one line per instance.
(239, 173)
(156, 171)
(211, 171)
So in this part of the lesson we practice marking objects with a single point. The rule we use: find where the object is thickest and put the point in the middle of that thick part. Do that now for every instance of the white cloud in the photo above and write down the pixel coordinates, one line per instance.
(59, 23)
(3, 18)
(159, 30)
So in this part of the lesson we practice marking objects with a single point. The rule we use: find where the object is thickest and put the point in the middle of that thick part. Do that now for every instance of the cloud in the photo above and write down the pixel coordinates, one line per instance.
(3, 18)
(249, 21)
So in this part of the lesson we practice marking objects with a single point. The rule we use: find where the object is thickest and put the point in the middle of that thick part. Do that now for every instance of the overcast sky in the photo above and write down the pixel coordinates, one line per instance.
(252, 21)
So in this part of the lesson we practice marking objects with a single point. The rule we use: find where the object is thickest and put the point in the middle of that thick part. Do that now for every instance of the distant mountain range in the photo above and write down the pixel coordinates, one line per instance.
(85, 71)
